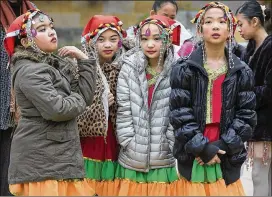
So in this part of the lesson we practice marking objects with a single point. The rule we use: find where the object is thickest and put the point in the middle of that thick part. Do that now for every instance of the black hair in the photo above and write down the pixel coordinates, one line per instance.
(158, 4)
(251, 9)
(17, 42)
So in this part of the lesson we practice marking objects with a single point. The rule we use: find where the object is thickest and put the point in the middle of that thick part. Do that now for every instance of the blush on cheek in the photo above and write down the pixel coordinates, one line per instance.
(116, 47)
(206, 30)
(99, 48)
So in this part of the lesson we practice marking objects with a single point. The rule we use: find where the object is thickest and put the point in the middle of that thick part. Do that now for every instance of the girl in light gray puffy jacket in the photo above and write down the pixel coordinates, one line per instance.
(146, 165)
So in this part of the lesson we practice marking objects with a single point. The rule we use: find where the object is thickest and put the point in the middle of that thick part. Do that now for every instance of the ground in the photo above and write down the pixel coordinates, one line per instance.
(247, 181)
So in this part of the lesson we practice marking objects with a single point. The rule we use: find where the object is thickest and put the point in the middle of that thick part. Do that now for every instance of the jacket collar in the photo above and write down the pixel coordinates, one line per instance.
(64, 65)
(115, 64)
(266, 45)
(136, 58)
(29, 54)
(196, 59)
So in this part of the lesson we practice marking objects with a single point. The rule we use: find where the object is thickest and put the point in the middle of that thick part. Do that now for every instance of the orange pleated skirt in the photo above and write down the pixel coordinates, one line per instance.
(217, 188)
(52, 188)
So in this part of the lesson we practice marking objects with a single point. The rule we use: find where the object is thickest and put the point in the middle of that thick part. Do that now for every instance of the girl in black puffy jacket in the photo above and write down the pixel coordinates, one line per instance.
(212, 107)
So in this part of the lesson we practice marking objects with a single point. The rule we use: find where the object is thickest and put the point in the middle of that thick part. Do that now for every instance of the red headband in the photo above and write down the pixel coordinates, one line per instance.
(13, 31)
(99, 22)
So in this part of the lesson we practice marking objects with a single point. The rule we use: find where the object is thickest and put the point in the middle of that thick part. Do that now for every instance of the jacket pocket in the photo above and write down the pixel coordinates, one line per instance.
(131, 144)
(60, 136)
(165, 144)
(62, 146)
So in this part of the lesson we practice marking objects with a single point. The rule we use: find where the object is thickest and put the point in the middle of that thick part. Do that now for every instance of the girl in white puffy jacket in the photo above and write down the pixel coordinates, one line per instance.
(146, 166)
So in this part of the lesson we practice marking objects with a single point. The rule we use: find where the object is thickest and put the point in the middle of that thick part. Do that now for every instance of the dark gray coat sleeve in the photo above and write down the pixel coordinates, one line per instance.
(85, 83)
(37, 85)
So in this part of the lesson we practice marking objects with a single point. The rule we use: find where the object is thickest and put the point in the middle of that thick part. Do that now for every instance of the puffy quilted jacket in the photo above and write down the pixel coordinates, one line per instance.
(145, 135)
(189, 83)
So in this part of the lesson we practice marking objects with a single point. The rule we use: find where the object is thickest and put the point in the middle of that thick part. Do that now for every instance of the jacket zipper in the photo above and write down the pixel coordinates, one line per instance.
(221, 124)
(222, 109)
(222, 120)
(149, 123)
(205, 106)
(149, 145)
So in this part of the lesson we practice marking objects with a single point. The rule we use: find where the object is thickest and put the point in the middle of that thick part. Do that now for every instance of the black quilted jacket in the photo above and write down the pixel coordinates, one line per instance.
(189, 83)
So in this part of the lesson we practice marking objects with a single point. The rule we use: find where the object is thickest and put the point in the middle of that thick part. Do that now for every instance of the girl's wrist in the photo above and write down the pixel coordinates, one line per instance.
(83, 57)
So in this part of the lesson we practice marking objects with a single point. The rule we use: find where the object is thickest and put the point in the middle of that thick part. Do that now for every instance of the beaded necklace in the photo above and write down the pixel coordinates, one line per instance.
(154, 75)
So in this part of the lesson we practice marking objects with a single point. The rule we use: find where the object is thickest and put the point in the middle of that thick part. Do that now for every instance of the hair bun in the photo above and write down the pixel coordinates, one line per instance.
(267, 13)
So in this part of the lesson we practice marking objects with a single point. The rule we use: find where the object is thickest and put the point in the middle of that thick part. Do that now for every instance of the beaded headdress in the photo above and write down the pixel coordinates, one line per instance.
(22, 28)
(95, 27)
(99, 24)
(232, 22)
(169, 33)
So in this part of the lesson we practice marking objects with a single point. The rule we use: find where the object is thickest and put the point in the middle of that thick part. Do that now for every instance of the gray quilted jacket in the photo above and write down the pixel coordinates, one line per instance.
(145, 135)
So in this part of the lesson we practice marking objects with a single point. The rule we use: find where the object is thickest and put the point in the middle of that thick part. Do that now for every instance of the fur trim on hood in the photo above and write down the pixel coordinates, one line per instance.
(66, 65)
(136, 58)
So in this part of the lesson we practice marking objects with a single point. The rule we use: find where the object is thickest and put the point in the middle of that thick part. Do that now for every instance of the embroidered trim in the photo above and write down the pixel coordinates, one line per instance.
(155, 21)
(154, 75)
(213, 74)
(104, 26)
(212, 5)
(96, 160)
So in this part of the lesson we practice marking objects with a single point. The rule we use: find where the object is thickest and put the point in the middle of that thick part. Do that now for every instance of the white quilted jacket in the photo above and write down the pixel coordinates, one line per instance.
(145, 135)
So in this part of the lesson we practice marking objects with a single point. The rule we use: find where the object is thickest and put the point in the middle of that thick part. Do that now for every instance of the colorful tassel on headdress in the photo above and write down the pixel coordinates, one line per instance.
(41, 18)
(214, 4)
(163, 36)
(228, 16)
